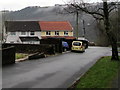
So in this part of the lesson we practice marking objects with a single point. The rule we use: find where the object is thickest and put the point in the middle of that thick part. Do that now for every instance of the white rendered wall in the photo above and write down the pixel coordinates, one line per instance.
(15, 38)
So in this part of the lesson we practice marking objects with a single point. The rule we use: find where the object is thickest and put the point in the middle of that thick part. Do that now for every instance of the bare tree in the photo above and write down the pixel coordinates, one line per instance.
(101, 11)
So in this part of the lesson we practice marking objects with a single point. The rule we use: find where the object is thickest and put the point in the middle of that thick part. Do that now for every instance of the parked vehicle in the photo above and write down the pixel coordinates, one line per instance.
(78, 46)
(91, 44)
(65, 46)
(85, 42)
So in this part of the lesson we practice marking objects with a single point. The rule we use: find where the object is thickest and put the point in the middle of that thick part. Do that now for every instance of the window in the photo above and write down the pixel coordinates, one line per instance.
(13, 33)
(23, 33)
(66, 33)
(57, 33)
(48, 33)
(76, 44)
(32, 33)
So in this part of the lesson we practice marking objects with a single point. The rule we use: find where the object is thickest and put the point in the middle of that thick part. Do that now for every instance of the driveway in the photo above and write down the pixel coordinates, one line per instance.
(52, 72)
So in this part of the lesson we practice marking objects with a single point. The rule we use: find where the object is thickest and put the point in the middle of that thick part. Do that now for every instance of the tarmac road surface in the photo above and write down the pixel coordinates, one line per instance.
(52, 72)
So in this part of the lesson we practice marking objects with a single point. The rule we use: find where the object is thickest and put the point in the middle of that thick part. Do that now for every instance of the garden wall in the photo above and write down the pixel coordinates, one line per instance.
(54, 41)
(32, 48)
(8, 55)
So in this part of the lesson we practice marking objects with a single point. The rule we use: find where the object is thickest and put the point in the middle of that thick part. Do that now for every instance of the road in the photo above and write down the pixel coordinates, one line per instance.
(58, 71)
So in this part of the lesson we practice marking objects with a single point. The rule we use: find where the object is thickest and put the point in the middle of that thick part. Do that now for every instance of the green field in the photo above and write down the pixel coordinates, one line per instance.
(100, 75)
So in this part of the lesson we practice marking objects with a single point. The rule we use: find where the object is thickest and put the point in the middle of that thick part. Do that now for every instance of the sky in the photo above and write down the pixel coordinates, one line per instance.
(13, 5)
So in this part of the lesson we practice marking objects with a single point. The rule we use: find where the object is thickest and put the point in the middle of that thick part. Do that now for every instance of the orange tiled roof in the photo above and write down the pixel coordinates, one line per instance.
(66, 37)
(55, 25)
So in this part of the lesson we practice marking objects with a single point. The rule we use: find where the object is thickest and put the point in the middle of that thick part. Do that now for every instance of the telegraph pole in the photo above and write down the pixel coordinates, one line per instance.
(83, 28)
(77, 23)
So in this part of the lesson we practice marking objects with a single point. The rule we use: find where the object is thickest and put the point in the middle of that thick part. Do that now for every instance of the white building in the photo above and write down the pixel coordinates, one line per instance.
(27, 32)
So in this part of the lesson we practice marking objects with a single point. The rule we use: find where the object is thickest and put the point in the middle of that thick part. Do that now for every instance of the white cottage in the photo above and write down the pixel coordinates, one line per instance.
(27, 32)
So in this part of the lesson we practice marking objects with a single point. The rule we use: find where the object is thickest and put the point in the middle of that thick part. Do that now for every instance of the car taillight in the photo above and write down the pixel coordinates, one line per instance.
(82, 47)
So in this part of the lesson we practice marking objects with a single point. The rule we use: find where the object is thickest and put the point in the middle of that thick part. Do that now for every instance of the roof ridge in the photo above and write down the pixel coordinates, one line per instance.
(53, 21)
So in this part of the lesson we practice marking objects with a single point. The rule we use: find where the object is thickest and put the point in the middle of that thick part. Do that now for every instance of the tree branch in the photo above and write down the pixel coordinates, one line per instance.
(86, 10)
(98, 18)
(111, 9)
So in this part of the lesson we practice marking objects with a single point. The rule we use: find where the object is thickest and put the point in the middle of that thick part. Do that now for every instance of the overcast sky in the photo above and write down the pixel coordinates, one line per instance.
(19, 4)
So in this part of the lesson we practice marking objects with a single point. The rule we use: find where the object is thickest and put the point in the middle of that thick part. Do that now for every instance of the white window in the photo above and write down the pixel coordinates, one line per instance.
(66, 33)
(48, 33)
(13, 33)
(23, 33)
(32, 33)
(57, 33)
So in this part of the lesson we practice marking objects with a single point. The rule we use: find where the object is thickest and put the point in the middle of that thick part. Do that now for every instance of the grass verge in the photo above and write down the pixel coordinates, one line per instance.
(100, 75)
(20, 55)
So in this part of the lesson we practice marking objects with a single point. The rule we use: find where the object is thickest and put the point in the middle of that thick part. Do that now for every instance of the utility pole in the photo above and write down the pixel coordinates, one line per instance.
(77, 23)
(84, 29)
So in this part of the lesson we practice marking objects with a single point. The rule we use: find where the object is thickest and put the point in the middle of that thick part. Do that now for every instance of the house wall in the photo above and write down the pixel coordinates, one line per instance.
(15, 38)
(32, 42)
(70, 33)
(43, 33)
(52, 33)
(38, 34)
(61, 33)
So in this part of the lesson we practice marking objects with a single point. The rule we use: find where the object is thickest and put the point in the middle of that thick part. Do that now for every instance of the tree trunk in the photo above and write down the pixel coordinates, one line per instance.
(114, 52)
(113, 42)
(110, 34)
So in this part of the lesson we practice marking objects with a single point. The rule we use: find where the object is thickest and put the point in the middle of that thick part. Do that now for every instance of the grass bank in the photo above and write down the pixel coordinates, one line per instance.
(20, 55)
(100, 75)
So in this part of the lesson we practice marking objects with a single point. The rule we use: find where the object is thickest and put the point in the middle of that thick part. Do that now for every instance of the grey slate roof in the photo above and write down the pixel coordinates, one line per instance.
(22, 26)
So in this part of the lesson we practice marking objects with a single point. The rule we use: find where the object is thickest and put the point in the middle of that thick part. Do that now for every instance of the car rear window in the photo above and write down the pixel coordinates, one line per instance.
(77, 44)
